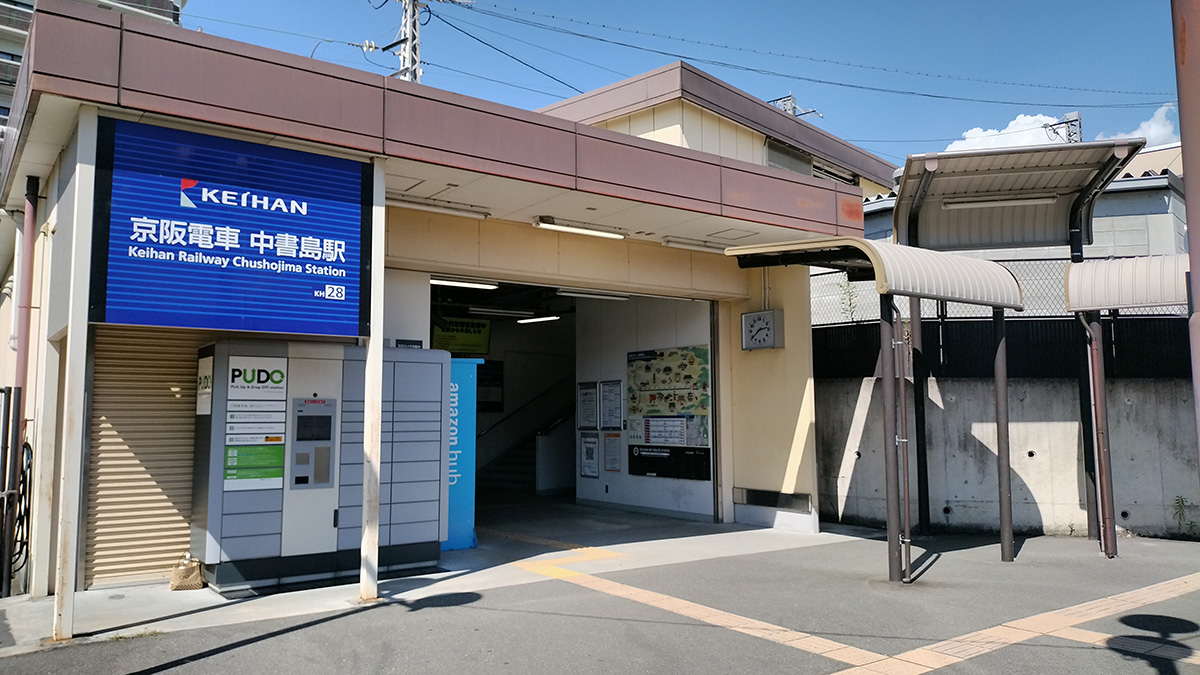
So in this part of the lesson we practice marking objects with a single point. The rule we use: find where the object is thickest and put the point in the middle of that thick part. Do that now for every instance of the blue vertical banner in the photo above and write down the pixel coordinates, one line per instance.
(462, 454)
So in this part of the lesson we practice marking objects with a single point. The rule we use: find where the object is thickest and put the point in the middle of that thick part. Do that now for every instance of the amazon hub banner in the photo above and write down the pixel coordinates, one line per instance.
(196, 231)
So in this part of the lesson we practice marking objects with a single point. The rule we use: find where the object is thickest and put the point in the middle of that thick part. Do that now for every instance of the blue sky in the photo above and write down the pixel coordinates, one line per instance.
(1112, 61)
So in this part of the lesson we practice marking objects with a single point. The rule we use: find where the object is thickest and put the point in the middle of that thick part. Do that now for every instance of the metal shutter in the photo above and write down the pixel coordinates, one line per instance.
(139, 490)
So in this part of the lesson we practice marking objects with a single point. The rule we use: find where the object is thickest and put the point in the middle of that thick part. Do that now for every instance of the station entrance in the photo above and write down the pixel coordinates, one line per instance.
(583, 396)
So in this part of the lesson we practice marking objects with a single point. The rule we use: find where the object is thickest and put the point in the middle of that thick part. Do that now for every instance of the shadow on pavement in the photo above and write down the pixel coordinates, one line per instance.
(1159, 651)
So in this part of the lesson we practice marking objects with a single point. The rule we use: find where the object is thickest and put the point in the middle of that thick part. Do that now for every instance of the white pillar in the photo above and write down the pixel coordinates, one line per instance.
(368, 581)
(75, 381)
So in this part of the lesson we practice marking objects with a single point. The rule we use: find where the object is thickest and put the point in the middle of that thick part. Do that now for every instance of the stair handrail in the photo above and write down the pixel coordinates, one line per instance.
(523, 406)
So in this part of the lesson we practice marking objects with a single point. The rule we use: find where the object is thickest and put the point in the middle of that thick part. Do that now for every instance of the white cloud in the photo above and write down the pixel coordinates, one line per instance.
(1024, 130)
(1158, 130)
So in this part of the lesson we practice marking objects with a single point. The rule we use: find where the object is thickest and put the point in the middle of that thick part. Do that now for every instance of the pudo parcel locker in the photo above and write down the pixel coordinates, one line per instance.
(279, 461)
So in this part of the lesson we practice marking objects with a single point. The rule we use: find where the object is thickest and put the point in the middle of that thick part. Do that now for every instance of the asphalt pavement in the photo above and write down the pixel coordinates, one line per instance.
(560, 588)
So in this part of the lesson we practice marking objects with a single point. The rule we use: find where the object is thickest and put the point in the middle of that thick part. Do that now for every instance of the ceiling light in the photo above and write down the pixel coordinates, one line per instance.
(464, 283)
(539, 319)
(970, 203)
(693, 245)
(496, 311)
(444, 208)
(547, 223)
(594, 295)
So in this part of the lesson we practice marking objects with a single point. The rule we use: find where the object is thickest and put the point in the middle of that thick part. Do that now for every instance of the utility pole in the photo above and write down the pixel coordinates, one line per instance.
(1071, 128)
(410, 42)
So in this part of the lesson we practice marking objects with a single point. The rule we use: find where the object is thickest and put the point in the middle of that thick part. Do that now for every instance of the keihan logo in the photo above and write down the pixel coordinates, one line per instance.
(256, 376)
(246, 199)
(185, 200)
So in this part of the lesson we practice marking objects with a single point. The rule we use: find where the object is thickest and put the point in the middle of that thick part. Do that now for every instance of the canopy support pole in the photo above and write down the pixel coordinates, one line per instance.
(1003, 467)
(887, 373)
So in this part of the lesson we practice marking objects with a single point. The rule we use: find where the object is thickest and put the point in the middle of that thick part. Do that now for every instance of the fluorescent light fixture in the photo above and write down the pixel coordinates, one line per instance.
(496, 311)
(444, 208)
(547, 223)
(593, 295)
(693, 245)
(539, 319)
(464, 283)
(955, 204)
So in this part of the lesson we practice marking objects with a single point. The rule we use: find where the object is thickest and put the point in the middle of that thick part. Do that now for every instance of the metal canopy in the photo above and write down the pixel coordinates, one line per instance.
(1010, 197)
(1126, 283)
(897, 270)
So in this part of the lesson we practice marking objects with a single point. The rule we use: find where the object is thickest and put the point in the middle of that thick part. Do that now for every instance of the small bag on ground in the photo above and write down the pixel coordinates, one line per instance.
(187, 575)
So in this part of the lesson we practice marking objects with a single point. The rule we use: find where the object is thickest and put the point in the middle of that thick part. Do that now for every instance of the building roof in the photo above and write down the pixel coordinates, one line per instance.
(682, 80)
(440, 147)
(1006, 197)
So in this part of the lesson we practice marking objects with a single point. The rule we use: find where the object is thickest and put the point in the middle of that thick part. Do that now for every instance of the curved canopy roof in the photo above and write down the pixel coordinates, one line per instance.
(1006, 197)
(1125, 283)
(898, 270)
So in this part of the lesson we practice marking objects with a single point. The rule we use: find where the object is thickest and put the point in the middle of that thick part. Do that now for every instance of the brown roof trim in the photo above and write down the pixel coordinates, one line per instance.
(683, 80)
(81, 53)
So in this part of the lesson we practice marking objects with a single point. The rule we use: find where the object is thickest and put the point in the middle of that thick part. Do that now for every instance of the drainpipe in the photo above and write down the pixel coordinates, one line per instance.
(1187, 71)
(24, 303)
(25, 296)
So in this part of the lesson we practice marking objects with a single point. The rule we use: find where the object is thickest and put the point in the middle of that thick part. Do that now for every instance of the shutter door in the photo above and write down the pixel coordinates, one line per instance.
(139, 499)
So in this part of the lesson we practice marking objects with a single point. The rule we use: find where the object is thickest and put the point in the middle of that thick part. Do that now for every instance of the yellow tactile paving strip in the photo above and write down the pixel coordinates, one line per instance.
(1059, 623)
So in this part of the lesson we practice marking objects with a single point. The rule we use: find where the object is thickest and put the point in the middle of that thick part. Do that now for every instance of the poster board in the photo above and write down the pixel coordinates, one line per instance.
(668, 404)
(587, 406)
(589, 454)
(612, 452)
(611, 405)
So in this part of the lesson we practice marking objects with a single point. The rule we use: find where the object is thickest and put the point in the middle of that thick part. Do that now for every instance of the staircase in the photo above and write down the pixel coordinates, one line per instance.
(513, 471)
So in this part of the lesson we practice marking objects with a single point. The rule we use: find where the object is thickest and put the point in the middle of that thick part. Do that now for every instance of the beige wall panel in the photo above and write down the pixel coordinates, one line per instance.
(641, 122)
(620, 124)
(774, 440)
(718, 274)
(415, 235)
(710, 132)
(518, 247)
(406, 306)
(729, 133)
(591, 258)
(660, 266)
(672, 135)
(693, 126)
(518, 252)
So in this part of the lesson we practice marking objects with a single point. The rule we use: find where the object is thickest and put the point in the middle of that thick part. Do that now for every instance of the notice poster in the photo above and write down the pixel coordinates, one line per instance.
(611, 402)
(668, 402)
(587, 406)
(612, 452)
(589, 455)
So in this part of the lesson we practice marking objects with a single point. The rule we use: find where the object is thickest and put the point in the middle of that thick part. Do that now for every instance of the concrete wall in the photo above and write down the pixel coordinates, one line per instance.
(536, 356)
(1152, 432)
(606, 332)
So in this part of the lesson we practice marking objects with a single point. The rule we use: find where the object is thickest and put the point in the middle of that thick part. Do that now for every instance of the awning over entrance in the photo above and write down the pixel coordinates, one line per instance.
(898, 270)
(1036, 196)
(1126, 283)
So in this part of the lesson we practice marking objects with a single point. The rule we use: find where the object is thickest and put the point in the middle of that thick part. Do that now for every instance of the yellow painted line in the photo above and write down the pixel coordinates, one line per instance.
(1058, 623)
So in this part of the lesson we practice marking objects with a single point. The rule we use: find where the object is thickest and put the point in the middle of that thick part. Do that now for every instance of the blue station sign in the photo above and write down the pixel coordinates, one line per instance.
(198, 231)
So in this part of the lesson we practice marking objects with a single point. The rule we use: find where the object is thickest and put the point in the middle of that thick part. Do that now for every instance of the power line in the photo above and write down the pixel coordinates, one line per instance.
(814, 59)
(489, 79)
(545, 48)
(833, 83)
(514, 58)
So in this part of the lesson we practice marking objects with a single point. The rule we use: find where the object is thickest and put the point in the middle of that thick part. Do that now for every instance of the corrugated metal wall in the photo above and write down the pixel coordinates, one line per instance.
(139, 490)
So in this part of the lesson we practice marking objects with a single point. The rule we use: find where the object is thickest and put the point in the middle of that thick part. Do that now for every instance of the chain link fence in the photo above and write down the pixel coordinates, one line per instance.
(836, 300)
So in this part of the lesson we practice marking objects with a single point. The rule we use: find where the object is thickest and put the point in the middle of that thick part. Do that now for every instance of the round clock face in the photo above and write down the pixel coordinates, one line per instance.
(759, 330)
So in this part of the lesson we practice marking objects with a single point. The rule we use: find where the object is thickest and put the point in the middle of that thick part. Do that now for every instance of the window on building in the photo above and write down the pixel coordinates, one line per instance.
(783, 156)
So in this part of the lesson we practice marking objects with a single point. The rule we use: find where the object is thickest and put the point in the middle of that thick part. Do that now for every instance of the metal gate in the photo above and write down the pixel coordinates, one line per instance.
(139, 490)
